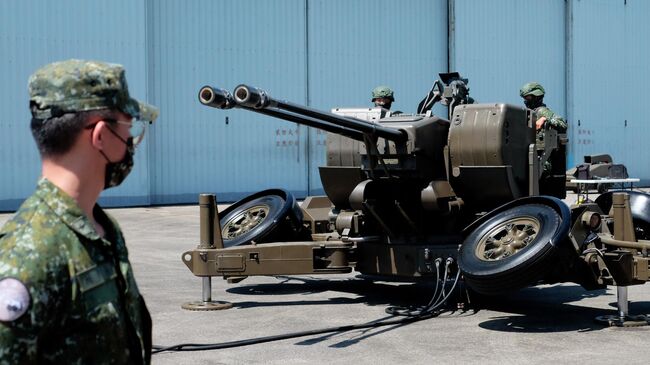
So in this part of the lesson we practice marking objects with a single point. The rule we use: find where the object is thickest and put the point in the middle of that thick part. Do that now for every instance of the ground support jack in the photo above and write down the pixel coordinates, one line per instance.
(210, 239)
(623, 318)
(207, 304)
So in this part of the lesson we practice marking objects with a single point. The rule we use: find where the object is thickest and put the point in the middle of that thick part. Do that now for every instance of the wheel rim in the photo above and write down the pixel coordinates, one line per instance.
(507, 238)
(244, 222)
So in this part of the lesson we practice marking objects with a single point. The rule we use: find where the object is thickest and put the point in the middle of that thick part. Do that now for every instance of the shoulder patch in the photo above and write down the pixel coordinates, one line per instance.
(14, 299)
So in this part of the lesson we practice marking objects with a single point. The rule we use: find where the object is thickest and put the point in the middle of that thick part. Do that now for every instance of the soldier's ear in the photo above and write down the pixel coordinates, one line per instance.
(97, 134)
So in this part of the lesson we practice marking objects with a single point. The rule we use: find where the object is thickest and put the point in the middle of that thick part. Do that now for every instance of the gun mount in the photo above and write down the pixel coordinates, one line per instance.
(407, 192)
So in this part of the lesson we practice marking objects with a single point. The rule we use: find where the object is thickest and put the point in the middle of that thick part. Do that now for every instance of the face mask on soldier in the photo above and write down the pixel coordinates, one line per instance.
(116, 172)
(383, 103)
(532, 103)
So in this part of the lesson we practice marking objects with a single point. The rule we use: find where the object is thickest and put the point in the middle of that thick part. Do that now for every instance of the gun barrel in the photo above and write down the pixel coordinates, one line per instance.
(216, 98)
(222, 99)
(310, 122)
(256, 99)
(251, 97)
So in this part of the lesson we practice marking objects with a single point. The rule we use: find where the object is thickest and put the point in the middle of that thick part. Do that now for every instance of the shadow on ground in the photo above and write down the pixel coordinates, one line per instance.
(531, 310)
(370, 292)
(551, 309)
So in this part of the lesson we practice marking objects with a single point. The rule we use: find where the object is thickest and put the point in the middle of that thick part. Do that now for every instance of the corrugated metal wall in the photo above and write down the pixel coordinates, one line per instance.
(500, 45)
(300, 59)
(608, 81)
(33, 33)
(235, 152)
(635, 90)
(200, 149)
(590, 56)
(357, 45)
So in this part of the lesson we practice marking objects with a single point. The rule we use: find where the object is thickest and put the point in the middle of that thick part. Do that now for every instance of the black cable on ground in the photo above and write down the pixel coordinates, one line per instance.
(253, 341)
(427, 312)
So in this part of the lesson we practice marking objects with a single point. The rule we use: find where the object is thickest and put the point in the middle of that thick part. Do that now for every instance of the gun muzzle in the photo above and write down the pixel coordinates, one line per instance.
(251, 97)
(216, 98)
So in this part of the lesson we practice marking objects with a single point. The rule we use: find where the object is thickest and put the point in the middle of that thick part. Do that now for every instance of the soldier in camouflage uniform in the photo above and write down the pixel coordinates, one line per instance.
(382, 96)
(67, 291)
(533, 94)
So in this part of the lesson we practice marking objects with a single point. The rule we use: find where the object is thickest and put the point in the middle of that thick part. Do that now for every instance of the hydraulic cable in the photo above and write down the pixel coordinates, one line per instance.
(437, 300)
(408, 316)
(403, 311)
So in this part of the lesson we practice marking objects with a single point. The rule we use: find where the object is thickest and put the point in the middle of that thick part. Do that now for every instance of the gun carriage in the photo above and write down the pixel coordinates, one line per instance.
(409, 193)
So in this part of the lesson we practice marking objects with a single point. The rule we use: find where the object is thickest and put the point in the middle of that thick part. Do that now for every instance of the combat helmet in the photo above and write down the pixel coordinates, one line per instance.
(382, 92)
(531, 88)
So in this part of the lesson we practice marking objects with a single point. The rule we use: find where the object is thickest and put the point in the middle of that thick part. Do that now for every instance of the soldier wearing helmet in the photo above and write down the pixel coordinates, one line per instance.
(382, 96)
(552, 179)
(533, 95)
(67, 290)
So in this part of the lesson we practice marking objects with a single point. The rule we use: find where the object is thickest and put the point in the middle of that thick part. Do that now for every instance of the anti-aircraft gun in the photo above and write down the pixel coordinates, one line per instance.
(406, 192)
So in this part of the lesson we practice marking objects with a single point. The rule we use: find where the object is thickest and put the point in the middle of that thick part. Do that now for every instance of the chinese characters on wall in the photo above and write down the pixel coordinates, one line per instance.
(585, 136)
(290, 137)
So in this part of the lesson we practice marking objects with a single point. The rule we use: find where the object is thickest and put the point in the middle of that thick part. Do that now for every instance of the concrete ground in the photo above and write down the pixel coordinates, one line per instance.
(544, 324)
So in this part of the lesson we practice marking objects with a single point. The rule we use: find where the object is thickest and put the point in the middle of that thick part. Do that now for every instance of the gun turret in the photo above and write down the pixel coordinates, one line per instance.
(409, 168)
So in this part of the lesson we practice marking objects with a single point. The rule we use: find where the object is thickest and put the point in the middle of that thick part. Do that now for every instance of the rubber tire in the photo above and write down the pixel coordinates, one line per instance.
(640, 207)
(526, 266)
(283, 221)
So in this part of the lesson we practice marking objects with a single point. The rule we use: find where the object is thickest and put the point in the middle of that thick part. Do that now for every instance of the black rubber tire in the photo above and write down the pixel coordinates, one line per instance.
(266, 216)
(524, 267)
(640, 207)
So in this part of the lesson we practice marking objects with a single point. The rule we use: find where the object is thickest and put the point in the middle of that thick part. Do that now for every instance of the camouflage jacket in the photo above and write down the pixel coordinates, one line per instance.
(85, 307)
(552, 120)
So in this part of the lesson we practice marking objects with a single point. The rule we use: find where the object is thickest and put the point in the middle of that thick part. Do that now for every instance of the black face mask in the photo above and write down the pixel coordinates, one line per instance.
(383, 104)
(533, 103)
(116, 172)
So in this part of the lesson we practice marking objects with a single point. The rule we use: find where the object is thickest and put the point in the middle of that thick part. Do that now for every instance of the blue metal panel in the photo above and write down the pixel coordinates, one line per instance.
(324, 54)
(357, 45)
(500, 45)
(595, 77)
(33, 33)
(635, 90)
(225, 43)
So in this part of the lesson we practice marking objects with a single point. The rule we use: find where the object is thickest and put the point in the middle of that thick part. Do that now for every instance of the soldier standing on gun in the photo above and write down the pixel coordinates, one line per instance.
(67, 291)
(533, 95)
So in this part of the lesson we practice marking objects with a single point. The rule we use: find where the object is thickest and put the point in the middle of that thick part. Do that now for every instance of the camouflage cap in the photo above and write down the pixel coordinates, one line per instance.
(531, 88)
(79, 85)
(382, 92)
